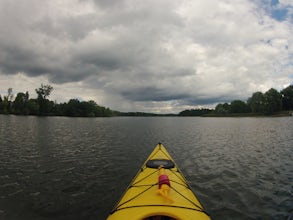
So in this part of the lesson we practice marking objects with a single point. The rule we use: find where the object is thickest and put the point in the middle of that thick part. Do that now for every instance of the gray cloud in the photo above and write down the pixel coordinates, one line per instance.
(152, 94)
(132, 54)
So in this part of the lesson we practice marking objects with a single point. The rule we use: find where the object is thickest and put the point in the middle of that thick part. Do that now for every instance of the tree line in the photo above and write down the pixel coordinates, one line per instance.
(22, 104)
(267, 103)
(196, 112)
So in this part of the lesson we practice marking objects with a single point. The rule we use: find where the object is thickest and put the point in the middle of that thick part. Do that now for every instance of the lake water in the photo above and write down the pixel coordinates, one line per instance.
(77, 168)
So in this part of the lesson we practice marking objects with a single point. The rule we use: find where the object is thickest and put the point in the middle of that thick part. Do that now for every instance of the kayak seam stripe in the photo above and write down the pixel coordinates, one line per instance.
(143, 178)
(180, 176)
(117, 208)
(182, 184)
(187, 199)
(172, 206)
(168, 156)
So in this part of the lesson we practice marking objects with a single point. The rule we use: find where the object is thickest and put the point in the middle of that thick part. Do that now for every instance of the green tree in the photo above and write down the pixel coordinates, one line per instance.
(238, 106)
(72, 108)
(195, 112)
(44, 91)
(10, 95)
(44, 104)
(4, 106)
(273, 101)
(10, 100)
(21, 103)
(33, 107)
(1, 105)
(287, 98)
(59, 109)
(256, 103)
(75, 108)
(90, 108)
(223, 108)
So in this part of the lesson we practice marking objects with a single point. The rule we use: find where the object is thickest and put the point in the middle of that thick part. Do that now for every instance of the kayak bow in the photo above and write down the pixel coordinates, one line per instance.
(159, 191)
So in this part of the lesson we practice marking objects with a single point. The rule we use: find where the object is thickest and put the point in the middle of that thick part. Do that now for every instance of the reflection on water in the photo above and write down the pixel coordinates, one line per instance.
(77, 168)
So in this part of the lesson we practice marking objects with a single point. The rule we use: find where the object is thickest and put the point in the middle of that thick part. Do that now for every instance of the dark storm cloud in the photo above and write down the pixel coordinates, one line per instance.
(17, 59)
(202, 101)
(152, 94)
(68, 28)
(72, 47)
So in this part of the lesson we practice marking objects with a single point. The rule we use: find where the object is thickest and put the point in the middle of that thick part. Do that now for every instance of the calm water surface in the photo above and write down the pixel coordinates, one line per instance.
(76, 168)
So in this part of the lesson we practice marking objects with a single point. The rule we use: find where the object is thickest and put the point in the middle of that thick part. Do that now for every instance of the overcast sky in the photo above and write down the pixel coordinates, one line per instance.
(146, 55)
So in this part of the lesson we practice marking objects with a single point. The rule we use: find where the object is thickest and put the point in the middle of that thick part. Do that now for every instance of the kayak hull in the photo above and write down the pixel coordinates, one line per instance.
(141, 200)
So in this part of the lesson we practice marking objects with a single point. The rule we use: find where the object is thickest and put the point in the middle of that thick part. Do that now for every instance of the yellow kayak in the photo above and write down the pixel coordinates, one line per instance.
(159, 191)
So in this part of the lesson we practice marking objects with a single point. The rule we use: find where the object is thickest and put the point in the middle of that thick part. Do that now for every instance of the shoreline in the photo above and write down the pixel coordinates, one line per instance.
(212, 115)
(252, 115)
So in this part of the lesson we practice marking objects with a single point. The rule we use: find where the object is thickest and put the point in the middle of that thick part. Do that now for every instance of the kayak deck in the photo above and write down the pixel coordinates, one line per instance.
(142, 201)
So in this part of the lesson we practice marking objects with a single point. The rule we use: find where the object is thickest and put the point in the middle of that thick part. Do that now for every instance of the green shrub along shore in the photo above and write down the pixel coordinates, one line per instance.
(276, 114)
(270, 103)
(42, 106)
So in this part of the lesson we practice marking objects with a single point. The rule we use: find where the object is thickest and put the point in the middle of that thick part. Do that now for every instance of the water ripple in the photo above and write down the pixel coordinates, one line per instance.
(76, 168)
